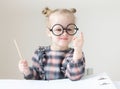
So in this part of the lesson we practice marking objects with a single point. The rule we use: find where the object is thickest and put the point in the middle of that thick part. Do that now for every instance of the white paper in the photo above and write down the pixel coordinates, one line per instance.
(100, 81)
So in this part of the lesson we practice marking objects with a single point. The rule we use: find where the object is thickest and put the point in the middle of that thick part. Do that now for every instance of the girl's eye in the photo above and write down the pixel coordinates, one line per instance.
(70, 29)
(58, 29)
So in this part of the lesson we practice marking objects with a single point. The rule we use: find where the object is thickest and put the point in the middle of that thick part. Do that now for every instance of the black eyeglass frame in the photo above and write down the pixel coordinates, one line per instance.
(76, 28)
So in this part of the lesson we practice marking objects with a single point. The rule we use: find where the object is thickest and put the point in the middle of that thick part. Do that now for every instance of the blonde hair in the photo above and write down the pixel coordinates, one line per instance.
(47, 11)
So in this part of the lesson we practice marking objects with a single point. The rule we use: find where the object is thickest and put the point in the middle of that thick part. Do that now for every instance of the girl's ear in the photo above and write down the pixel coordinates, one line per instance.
(49, 35)
(48, 32)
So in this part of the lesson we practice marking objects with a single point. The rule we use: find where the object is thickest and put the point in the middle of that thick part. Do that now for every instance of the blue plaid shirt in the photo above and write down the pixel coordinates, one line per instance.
(51, 64)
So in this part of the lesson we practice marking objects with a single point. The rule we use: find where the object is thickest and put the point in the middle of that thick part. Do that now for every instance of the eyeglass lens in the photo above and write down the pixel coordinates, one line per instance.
(58, 29)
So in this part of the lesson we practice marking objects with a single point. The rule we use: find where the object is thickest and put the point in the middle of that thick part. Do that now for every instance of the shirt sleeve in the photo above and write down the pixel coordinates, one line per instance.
(75, 70)
(36, 69)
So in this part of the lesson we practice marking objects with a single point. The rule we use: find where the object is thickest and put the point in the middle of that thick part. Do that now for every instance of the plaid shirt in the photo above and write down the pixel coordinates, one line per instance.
(50, 64)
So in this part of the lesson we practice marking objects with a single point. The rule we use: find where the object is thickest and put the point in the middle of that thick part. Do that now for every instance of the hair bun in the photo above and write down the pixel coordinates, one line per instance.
(46, 11)
(73, 10)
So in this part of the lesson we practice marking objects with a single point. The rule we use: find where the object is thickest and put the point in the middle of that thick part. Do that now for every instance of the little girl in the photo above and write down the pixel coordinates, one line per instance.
(58, 60)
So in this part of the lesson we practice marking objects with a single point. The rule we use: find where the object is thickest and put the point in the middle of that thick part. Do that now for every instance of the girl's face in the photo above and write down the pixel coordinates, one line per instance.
(63, 40)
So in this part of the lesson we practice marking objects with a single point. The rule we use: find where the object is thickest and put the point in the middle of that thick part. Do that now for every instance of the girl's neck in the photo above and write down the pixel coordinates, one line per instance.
(53, 47)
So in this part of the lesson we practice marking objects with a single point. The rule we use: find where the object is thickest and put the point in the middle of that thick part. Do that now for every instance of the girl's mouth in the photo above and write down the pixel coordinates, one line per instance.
(63, 38)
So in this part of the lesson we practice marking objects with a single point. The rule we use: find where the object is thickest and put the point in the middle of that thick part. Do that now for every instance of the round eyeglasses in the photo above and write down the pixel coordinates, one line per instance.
(58, 29)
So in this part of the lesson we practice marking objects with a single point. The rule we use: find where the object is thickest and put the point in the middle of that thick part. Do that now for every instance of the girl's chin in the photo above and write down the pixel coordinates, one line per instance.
(63, 45)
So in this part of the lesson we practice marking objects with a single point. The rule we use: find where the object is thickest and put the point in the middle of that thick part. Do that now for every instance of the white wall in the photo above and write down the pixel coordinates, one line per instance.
(22, 20)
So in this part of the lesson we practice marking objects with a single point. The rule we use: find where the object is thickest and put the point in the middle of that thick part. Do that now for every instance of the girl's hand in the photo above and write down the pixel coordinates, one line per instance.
(77, 45)
(78, 42)
(23, 67)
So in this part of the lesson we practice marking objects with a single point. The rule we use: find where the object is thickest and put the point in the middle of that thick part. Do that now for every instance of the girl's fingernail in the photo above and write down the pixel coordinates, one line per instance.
(74, 38)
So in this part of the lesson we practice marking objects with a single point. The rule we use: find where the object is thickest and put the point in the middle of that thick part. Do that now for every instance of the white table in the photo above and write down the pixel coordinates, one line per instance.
(117, 84)
(28, 84)
(94, 82)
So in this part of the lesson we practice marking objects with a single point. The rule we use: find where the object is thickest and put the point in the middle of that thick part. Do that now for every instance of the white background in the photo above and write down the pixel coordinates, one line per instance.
(22, 20)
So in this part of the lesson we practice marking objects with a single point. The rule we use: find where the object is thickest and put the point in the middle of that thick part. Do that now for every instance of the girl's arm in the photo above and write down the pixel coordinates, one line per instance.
(36, 69)
(76, 69)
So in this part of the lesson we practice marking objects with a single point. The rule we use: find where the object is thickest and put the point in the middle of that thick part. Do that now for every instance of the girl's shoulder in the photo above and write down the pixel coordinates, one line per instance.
(44, 48)
(40, 52)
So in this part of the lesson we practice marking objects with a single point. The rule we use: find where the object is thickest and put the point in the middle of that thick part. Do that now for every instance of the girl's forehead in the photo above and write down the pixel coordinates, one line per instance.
(58, 14)
(58, 18)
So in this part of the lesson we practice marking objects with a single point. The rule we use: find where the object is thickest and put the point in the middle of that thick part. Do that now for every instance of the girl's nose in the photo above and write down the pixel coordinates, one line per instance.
(64, 33)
